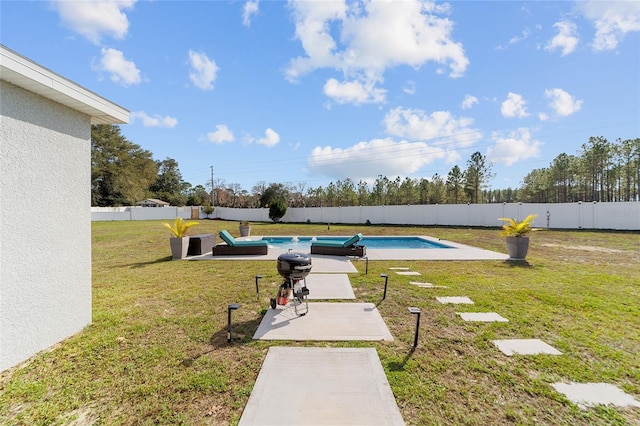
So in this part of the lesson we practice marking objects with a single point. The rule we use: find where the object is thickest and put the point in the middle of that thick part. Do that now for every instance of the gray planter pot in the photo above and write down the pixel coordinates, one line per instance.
(179, 247)
(517, 247)
(245, 230)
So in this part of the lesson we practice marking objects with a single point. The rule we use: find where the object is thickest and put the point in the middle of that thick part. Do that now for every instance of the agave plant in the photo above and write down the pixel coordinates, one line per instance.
(513, 228)
(179, 227)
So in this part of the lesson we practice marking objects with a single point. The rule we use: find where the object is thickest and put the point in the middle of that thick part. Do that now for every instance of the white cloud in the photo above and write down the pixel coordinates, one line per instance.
(612, 19)
(121, 70)
(221, 135)
(271, 138)
(369, 159)
(562, 103)
(93, 18)
(250, 9)
(424, 138)
(514, 106)
(469, 101)
(354, 92)
(155, 121)
(409, 88)
(203, 70)
(515, 39)
(363, 39)
(566, 39)
(517, 146)
(518, 39)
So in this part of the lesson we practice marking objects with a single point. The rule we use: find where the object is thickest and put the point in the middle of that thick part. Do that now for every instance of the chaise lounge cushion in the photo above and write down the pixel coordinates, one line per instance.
(232, 242)
(235, 247)
(339, 248)
(334, 243)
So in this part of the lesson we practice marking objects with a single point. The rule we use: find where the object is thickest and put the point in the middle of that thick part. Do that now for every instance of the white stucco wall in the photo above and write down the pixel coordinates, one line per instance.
(45, 253)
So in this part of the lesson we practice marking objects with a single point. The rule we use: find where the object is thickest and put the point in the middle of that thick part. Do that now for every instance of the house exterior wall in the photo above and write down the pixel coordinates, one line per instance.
(45, 253)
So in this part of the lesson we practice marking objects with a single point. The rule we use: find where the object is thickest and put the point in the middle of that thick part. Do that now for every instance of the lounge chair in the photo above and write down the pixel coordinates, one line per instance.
(236, 247)
(339, 248)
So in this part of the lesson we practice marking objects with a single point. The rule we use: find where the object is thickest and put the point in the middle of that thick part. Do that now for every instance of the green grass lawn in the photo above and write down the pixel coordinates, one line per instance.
(156, 352)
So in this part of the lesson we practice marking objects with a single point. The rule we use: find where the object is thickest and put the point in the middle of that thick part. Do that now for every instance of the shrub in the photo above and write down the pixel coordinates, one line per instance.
(277, 209)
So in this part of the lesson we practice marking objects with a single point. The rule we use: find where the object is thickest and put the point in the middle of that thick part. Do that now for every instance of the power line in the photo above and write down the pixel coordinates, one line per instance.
(409, 150)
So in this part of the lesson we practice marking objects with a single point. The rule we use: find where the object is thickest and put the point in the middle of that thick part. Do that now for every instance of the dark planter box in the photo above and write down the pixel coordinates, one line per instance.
(200, 244)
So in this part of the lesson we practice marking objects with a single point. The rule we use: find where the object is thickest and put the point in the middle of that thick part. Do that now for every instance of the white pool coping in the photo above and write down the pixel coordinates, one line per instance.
(456, 252)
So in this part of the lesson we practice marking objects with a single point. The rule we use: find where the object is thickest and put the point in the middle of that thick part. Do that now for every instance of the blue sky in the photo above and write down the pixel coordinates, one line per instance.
(309, 92)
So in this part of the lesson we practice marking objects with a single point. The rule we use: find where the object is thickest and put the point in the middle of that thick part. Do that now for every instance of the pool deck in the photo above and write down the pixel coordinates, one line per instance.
(458, 252)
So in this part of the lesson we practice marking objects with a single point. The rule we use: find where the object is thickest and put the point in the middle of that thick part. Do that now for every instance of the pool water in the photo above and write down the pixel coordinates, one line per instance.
(304, 243)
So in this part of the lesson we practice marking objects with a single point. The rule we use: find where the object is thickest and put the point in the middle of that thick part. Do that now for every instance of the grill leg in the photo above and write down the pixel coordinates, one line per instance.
(300, 293)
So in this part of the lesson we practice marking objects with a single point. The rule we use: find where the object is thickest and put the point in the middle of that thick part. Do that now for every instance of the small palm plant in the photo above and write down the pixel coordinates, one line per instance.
(516, 233)
(513, 228)
(180, 227)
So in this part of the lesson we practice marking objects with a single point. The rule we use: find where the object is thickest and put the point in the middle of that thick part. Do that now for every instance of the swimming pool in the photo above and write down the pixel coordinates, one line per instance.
(391, 243)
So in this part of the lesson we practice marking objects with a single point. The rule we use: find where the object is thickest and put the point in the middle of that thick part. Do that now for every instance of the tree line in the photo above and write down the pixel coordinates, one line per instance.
(602, 171)
(123, 173)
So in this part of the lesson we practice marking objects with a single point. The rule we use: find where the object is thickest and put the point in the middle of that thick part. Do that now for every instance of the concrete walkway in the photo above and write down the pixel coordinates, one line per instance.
(329, 286)
(321, 386)
(324, 321)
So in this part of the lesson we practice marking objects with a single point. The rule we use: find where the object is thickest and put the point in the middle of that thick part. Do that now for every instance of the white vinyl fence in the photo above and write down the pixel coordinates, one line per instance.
(139, 213)
(619, 216)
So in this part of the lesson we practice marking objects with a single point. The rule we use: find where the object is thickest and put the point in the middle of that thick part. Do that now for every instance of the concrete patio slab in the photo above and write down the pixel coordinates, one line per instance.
(320, 263)
(329, 286)
(324, 321)
(482, 317)
(426, 285)
(456, 252)
(331, 264)
(321, 386)
(456, 300)
(408, 273)
(590, 394)
(525, 347)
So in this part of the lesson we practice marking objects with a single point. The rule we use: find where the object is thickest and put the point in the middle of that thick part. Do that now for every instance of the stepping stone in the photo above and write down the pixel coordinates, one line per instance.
(321, 386)
(482, 317)
(426, 285)
(328, 321)
(408, 273)
(456, 300)
(329, 286)
(398, 268)
(525, 347)
(590, 394)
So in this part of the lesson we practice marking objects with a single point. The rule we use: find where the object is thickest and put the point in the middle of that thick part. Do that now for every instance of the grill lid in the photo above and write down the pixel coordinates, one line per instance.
(294, 265)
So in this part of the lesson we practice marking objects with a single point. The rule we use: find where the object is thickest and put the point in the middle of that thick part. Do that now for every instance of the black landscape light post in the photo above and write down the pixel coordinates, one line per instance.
(257, 292)
(386, 280)
(231, 307)
(416, 311)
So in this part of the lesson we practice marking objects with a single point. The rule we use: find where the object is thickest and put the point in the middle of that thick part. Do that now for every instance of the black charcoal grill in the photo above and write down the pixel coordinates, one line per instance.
(294, 268)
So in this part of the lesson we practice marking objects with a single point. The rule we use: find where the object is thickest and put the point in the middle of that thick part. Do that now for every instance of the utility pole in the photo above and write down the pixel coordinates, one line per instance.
(212, 198)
